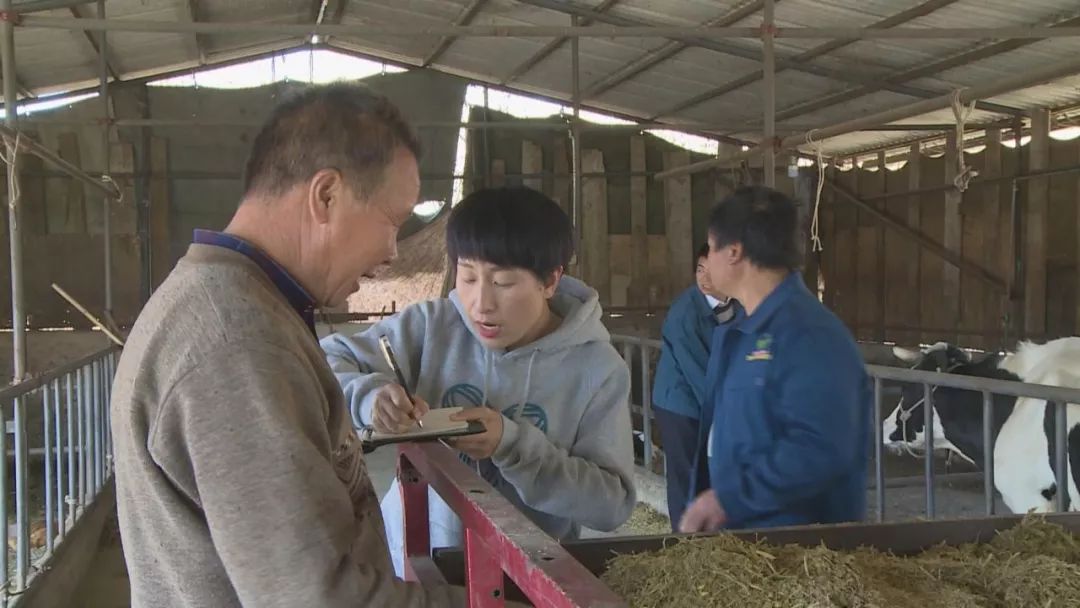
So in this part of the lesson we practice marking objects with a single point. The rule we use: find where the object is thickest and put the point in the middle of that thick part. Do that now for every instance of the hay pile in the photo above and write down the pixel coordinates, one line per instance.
(645, 520)
(1035, 564)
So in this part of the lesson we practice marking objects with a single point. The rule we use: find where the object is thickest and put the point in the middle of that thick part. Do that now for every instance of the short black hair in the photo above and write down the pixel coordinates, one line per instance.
(764, 221)
(514, 227)
(702, 252)
(341, 126)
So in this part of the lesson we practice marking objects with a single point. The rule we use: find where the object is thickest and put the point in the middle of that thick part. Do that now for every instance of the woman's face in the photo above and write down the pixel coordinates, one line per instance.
(507, 307)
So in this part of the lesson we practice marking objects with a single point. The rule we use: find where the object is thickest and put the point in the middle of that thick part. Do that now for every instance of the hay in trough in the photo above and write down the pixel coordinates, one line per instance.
(1031, 564)
(645, 520)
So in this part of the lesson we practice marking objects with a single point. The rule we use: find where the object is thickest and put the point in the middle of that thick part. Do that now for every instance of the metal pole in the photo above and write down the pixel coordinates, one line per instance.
(1022, 80)
(928, 433)
(575, 140)
(59, 460)
(542, 31)
(3, 509)
(48, 424)
(103, 73)
(879, 464)
(69, 499)
(1061, 454)
(768, 59)
(988, 451)
(95, 423)
(81, 407)
(22, 518)
(646, 406)
(11, 105)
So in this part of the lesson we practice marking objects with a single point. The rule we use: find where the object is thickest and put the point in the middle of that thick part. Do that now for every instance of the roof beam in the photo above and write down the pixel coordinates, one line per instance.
(37, 6)
(665, 52)
(97, 49)
(965, 58)
(913, 13)
(551, 47)
(193, 16)
(846, 75)
(998, 86)
(465, 18)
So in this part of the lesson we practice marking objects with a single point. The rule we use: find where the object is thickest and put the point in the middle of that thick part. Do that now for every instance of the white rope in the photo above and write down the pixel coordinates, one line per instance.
(12, 148)
(108, 179)
(815, 226)
(961, 112)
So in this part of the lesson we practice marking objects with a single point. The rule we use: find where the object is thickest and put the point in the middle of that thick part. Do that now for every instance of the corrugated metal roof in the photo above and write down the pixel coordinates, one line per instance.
(50, 60)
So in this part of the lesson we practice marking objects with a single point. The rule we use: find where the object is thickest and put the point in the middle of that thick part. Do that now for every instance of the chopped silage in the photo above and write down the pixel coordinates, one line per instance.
(1034, 564)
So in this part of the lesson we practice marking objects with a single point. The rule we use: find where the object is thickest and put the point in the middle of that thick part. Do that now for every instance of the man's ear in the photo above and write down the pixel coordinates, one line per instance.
(735, 253)
(325, 189)
(552, 282)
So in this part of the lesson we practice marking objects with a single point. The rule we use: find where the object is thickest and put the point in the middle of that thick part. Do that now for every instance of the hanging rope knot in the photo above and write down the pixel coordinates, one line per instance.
(961, 112)
(11, 147)
(815, 226)
(108, 179)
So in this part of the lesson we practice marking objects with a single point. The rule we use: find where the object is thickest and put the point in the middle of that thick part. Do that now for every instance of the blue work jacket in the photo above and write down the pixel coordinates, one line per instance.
(791, 419)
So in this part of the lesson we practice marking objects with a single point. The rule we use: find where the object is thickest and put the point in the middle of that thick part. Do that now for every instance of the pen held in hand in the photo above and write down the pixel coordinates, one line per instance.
(391, 360)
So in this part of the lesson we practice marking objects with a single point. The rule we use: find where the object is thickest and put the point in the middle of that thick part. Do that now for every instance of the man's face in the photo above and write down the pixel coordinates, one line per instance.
(702, 276)
(363, 230)
(720, 269)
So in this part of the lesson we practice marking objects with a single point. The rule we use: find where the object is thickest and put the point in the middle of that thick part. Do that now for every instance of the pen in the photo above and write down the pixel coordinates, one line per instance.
(388, 354)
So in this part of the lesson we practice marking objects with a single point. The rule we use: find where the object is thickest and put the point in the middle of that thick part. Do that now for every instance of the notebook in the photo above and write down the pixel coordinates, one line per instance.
(436, 425)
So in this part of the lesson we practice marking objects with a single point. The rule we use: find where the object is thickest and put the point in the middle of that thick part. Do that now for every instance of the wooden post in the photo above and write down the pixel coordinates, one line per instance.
(498, 173)
(75, 208)
(639, 238)
(680, 235)
(950, 283)
(532, 163)
(160, 238)
(994, 246)
(560, 166)
(1035, 218)
(912, 311)
(883, 252)
(595, 268)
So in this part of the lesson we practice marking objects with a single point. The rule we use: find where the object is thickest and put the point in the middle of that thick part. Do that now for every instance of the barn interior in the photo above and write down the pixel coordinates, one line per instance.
(933, 147)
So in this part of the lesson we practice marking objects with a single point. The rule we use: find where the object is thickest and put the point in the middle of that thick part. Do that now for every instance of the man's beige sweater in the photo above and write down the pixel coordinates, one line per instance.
(240, 480)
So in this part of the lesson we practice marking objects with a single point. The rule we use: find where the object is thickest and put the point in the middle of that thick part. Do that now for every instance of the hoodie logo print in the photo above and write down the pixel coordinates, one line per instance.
(467, 395)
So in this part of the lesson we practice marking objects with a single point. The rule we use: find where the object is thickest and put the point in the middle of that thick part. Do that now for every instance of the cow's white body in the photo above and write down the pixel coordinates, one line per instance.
(1022, 469)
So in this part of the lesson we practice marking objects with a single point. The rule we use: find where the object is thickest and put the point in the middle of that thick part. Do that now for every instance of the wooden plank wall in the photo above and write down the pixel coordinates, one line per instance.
(63, 243)
(885, 286)
(921, 304)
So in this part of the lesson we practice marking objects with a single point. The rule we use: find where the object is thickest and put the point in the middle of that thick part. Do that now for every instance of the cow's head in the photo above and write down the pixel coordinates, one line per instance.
(905, 426)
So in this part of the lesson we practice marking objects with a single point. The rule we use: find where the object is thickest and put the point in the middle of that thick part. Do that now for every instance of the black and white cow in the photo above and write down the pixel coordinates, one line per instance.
(1023, 429)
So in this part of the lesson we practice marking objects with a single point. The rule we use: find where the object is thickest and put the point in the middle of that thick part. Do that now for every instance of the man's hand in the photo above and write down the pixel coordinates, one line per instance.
(393, 413)
(482, 445)
(703, 515)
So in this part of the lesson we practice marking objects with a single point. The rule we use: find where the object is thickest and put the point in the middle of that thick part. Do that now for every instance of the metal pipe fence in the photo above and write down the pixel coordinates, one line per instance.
(640, 351)
(62, 419)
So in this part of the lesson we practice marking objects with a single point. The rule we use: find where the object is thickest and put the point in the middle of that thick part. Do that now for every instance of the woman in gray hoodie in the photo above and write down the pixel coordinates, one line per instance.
(523, 348)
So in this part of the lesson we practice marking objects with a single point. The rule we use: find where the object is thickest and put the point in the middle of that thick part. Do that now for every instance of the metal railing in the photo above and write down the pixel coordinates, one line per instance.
(58, 424)
(1058, 397)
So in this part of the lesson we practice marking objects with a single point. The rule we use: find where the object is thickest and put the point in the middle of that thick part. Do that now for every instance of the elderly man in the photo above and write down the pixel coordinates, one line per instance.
(790, 432)
(240, 480)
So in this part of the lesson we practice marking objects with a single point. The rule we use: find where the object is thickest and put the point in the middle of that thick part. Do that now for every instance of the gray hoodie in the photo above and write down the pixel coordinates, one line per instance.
(566, 455)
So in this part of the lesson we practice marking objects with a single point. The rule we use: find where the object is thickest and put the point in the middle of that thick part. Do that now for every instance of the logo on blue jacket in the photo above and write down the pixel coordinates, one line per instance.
(467, 395)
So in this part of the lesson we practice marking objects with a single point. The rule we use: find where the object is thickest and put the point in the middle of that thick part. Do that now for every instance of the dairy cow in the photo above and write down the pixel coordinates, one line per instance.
(1022, 429)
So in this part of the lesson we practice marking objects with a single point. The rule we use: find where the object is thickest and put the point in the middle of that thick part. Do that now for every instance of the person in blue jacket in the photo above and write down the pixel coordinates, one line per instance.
(680, 388)
(791, 427)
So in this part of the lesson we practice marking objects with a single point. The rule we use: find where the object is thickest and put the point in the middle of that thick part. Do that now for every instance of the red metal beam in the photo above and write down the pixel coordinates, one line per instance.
(497, 534)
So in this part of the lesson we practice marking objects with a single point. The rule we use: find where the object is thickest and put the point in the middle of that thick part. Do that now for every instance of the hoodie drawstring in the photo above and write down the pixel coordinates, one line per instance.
(528, 381)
